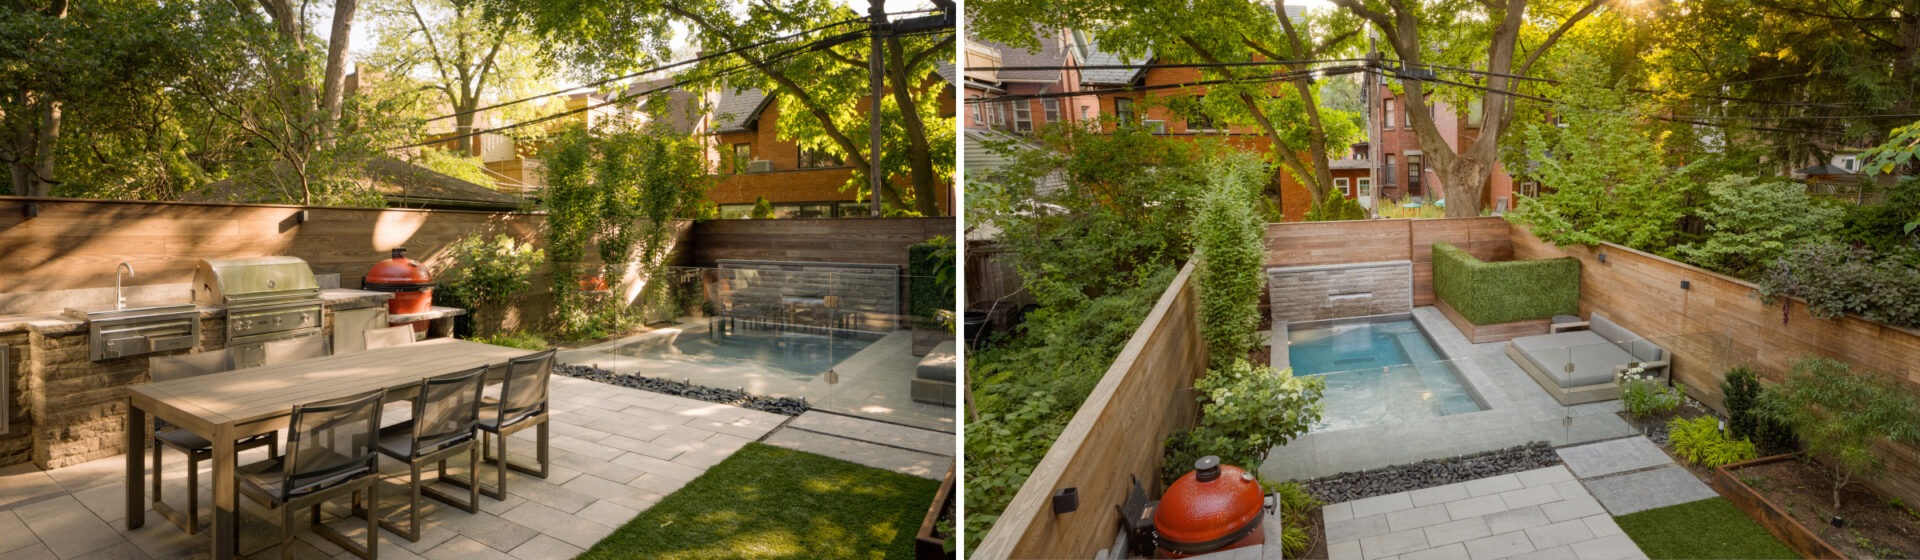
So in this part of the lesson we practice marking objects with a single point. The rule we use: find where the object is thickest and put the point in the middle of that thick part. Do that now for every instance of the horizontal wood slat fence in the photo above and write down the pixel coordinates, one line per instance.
(1318, 243)
(847, 240)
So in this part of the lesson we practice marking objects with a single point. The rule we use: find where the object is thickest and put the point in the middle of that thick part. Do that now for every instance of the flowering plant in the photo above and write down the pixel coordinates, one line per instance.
(1642, 394)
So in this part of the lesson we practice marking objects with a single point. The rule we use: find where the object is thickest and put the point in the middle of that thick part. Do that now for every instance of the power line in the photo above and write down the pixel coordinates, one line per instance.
(1162, 65)
(1264, 78)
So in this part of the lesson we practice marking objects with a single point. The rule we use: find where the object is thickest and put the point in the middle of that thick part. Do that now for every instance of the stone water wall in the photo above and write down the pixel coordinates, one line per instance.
(756, 288)
(1312, 293)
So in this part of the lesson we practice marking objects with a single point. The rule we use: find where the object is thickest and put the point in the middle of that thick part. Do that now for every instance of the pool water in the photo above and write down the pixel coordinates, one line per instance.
(798, 355)
(1377, 373)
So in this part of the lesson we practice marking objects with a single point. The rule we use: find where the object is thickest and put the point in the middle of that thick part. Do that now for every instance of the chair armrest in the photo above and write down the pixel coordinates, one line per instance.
(1564, 327)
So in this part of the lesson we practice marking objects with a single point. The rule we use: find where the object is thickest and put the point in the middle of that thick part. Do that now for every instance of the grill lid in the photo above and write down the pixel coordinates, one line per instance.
(220, 281)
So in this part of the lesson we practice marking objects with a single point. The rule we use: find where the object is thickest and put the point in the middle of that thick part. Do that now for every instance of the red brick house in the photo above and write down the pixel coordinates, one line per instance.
(1401, 171)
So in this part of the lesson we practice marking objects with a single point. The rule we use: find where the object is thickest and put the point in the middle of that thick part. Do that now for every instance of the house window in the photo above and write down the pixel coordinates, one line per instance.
(854, 210)
(1388, 120)
(1052, 109)
(1475, 114)
(742, 153)
(807, 210)
(1386, 171)
(976, 109)
(815, 159)
(736, 211)
(1083, 113)
(1364, 185)
(1023, 116)
(1413, 173)
(1123, 109)
(1849, 163)
(1200, 120)
(1340, 184)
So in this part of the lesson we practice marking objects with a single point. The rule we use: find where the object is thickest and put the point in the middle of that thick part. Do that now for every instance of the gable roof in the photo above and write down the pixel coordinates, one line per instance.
(1053, 52)
(738, 109)
(1097, 57)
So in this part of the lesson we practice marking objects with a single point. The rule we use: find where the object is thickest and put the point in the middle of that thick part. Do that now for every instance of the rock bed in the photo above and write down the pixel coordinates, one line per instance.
(776, 405)
(1351, 486)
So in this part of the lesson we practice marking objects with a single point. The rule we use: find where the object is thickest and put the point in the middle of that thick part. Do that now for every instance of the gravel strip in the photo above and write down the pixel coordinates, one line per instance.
(1346, 487)
(776, 405)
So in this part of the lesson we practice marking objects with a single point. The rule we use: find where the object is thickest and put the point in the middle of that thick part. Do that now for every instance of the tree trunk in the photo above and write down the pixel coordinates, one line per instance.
(334, 83)
(45, 148)
(919, 154)
(463, 127)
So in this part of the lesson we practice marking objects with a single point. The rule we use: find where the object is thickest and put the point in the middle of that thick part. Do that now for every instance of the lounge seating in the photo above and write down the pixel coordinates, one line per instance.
(933, 380)
(1580, 362)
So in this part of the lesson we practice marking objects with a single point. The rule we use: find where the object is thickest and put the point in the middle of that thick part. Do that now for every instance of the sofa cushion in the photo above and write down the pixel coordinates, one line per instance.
(1593, 357)
(939, 364)
(1608, 329)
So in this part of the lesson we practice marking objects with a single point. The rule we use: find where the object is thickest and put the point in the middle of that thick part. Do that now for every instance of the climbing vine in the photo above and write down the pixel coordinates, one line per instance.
(616, 193)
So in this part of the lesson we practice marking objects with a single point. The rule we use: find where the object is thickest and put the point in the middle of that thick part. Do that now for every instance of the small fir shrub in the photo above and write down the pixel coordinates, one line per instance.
(1743, 393)
(762, 209)
(1228, 245)
(1498, 292)
(1840, 415)
(1644, 396)
(1699, 441)
(1245, 412)
(1836, 280)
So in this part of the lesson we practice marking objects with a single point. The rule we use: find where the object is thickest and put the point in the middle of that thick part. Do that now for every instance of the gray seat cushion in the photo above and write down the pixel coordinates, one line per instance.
(1641, 349)
(1592, 356)
(939, 364)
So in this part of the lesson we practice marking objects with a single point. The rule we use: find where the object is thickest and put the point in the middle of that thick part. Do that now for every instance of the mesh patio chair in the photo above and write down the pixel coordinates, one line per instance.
(522, 404)
(196, 448)
(389, 337)
(445, 414)
(283, 351)
(330, 453)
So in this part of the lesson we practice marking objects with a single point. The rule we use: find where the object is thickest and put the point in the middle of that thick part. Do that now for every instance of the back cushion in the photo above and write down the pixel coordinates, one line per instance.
(1645, 351)
(1607, 329)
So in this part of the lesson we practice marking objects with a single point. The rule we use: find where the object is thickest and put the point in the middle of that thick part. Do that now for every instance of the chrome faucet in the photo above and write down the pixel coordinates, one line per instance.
(121, 297)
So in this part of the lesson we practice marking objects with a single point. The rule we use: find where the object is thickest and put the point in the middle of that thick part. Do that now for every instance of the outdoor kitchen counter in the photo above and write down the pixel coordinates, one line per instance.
(340, 299)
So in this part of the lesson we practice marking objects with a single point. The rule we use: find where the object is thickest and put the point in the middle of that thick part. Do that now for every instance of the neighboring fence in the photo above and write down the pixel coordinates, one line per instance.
(992, 280)
(1715, 323)
(1316, 243)
(1118, 433)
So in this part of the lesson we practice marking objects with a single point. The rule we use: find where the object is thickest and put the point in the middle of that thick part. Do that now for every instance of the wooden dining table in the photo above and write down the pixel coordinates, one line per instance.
(226, 407)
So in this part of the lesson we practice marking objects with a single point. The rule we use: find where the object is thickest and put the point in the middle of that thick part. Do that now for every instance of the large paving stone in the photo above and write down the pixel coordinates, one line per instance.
(1614, 456)
(874, 455)
(1641, 491)
(924, 441)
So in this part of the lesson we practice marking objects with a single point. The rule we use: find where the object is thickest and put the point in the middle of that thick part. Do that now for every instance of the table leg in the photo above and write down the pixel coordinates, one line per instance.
(137, 438)
(226, 506)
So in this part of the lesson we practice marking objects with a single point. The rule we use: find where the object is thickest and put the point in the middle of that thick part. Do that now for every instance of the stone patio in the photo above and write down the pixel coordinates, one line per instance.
(1542, 513)
(616, 452)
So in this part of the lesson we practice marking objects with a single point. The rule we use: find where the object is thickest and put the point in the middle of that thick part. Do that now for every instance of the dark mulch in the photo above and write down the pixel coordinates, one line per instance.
(776, 405)
(1351, 486)
(1876, 527)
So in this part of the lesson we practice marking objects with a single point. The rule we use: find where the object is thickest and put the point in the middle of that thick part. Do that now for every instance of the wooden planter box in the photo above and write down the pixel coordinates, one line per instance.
(926, 545)
(1497, 332)
(1770, 515)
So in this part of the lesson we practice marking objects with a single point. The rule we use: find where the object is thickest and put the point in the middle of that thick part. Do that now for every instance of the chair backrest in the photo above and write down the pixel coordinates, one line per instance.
(524, 392)
(283, 351)
(388, 337)
(169, 368)
(331, 442)
(447, 409)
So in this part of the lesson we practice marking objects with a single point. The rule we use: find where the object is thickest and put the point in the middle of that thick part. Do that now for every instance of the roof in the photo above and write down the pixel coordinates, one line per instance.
(1053, 53)
(1349, 163)
(1097, 57)
(1823, 169)
(401, 183)
(682, 110)
(738, 109)
(947, 71)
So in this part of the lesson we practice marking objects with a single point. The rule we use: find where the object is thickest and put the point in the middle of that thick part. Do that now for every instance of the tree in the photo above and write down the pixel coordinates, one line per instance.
(1211, 31)
(762, 209)
(1751, 222)
(1840, 415)
(450, 45)
(820, 89)
(1493, 33)
(1229, 245)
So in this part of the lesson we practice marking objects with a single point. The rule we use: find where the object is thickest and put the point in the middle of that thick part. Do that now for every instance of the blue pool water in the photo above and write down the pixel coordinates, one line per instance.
(1377, 373)
(800, 356)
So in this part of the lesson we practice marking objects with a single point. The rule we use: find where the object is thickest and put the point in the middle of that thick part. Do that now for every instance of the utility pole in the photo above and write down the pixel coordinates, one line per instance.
(1370, 83)
(877, 10)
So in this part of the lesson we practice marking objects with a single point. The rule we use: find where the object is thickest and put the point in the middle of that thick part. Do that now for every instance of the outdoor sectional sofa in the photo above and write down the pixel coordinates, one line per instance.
(1579, 362)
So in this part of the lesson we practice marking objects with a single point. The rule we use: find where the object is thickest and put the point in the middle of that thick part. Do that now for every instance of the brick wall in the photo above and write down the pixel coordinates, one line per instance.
(787, 182)
(1312, 293)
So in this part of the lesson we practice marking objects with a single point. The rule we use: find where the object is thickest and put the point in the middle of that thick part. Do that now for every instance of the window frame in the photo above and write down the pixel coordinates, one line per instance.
(1414, 170)
(1386, 171)
(1050, 108)
(1363, 186)
(816, 159)
(1123, 116)
(1387, 106)
(1023, 116)
(739, 162)
(1343, 186)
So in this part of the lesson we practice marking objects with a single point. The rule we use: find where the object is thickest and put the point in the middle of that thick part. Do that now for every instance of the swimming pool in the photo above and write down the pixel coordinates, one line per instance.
(797, 355)
(1378, 371)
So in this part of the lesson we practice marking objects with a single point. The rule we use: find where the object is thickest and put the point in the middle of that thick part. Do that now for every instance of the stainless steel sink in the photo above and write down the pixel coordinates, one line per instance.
(121, 333)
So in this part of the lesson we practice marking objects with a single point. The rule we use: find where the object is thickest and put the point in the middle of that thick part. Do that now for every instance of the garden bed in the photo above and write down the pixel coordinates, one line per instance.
(1792, 496)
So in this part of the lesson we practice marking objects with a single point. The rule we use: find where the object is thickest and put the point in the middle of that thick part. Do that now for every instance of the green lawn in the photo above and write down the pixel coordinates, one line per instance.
(770, 502)
(1704, 529)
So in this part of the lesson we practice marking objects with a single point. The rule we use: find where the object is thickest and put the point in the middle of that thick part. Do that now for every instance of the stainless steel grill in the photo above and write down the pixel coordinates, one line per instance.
(266, 298)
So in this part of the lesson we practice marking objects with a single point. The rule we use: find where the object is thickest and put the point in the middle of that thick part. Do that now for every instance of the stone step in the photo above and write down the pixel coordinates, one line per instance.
(924, 441)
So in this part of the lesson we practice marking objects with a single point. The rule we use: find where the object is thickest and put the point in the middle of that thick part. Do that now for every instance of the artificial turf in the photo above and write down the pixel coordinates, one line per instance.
(1703, 529)
(770, 502)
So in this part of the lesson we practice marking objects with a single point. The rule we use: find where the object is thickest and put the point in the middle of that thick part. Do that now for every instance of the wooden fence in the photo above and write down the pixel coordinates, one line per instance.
(1316, 243)
(1118, 433)
(847, 240)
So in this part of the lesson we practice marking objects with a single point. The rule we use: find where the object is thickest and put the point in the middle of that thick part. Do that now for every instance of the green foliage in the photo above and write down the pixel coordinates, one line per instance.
(703, 210)
(1607, 184)
(1890, 228)
(1644, 396)
(1296, 515)
(1836, 280)
(1700, 442)
(1245, 412)
(1500, 292)
(1229, 246)
(615, 192)
(1743, 393)
(469, 169)
(1396, 210)
(762, 210)
(1840, 415)
(1336, 208)
(930, 277)
(515, 339)
(487, 272)
(1751, 222)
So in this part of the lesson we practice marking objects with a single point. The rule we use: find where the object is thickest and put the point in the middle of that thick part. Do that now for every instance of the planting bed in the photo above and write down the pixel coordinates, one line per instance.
(1875, 527)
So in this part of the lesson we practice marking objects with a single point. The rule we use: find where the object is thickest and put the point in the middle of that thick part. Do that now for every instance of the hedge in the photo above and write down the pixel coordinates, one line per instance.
(1503, 292)
(925, 296)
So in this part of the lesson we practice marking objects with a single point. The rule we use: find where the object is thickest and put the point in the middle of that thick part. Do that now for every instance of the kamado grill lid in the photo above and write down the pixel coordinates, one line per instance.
(397, 274)
(1211, 507)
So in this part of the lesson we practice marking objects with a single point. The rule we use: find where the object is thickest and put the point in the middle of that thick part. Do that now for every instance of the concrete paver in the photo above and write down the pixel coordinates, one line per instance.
(1508, 518)
(1613, 456)
(1645, 490)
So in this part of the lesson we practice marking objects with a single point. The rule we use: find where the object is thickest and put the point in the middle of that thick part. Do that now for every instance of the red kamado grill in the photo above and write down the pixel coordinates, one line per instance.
(1216, 507)
(409, 283)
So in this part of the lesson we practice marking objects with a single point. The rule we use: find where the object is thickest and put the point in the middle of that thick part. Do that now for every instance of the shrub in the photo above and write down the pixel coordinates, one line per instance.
(762, 209)
(1743, 392)
(516, 339)
(1643, 395)
(1840, 415)
(930, 278)
(1837, 280)
(1751, 222)
(1501, 292)
(1228, 247)
(1245, 411)
(1700, 442)
(1296, 511)
(1337, 207)
(486, 273)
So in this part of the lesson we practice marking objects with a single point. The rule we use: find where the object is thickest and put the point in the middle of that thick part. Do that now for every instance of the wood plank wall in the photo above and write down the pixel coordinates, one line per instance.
(1316, 243)
(1716, 324)
(849, 240)
(1117, 434)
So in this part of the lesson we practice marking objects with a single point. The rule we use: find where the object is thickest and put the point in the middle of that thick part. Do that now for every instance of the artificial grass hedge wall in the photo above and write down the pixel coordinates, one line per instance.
(1502, 292)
